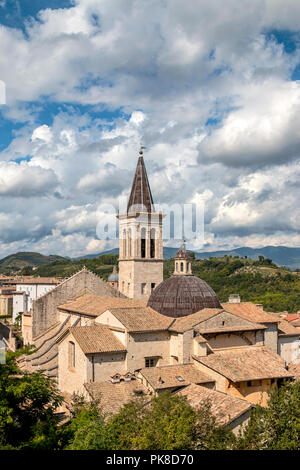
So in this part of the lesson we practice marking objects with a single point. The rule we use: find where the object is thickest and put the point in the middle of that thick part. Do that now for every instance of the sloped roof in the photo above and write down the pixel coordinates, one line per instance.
(292, 317)
(250, 312)
(167, 376)
(224, 407)
(295, 370)
(186, 323)
(246, 363)
(94, 305)
(114, 396)
(140, 319)
(287, 329)
(96, 339)
(140, 196)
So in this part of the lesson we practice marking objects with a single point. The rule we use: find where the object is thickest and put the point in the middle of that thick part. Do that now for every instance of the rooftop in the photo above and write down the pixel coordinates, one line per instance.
(246, 363)
(140, 319)
(174, 376)
(287, 329)
(225, 408)
(97, 339)
(94, 305)
(250, 312)
(114, 396)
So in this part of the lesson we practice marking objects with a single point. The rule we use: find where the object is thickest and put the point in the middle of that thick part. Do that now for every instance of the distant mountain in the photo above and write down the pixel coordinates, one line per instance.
(26, 259)
(281, 255)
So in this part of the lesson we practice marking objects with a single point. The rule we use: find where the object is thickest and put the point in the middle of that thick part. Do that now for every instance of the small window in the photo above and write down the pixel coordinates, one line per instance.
(152, 286)
(223, 323)
(150, 361)
(179, 378)
(143, 288)
(181, 267)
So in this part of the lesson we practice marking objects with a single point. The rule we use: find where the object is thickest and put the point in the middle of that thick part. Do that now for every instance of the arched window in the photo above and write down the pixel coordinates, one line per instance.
(71, 354)
(152, 243)
(181, 266)
(143, 243)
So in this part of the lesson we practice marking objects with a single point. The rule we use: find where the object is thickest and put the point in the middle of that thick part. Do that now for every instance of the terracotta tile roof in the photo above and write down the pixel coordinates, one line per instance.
(167, 376)
(141, 319)
(94, 305)
(287, 329)
(225, 408)
(295, 370)
(292, 317)
(246, 363)
(114, 396)
(96, 339)
(228, 329)
(250, 312)
(186, 323)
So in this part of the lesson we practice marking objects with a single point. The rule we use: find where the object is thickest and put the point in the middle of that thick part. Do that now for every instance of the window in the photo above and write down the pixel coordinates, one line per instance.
(143, 288)
(176, 267)
(253, 383)
(152, 286)
(152, 243)
(71, 354)
(143, 243)
(150, 361)
(181, 267)
(179, 378)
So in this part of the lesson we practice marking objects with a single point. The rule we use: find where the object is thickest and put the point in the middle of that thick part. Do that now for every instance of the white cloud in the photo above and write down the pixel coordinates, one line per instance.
(25, 180)
(171, 67)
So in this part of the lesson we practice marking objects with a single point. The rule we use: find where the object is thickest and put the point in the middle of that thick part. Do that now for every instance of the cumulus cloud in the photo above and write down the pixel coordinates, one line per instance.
(25, 180)
(207, 90)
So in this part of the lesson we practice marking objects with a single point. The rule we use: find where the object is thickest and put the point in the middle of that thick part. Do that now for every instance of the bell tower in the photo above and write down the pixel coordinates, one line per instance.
(140, 240)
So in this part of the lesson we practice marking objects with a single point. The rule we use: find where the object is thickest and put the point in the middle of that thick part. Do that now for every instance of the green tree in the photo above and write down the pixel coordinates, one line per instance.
(166, 422)
(276, 427)
(27, 408)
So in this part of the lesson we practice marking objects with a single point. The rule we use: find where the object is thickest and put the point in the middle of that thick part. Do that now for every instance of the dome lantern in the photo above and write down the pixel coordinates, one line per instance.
(183, 262)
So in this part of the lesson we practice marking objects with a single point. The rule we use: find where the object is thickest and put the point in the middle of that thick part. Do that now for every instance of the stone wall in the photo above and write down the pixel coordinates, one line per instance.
(44, 309)
(271, 336)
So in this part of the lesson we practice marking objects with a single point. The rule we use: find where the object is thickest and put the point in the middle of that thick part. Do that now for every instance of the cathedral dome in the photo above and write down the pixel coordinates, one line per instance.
(179, 296)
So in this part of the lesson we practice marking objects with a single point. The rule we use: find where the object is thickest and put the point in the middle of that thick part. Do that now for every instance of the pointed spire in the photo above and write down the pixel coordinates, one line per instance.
(140, 196)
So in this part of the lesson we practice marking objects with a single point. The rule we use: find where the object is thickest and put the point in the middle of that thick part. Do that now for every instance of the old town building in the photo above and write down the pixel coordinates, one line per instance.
(153, 335)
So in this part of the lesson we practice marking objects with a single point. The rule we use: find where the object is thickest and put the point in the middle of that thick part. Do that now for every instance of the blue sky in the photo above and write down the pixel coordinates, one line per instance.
(212, 94)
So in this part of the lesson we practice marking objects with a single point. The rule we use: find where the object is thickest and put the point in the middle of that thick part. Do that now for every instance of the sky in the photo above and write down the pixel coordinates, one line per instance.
(211, 89)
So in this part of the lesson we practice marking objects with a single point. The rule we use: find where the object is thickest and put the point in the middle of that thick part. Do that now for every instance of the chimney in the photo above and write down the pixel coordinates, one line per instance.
(234, 299)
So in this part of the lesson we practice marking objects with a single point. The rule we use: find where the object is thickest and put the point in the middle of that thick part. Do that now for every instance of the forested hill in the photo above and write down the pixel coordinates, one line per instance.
(24, 259)
(261, 281)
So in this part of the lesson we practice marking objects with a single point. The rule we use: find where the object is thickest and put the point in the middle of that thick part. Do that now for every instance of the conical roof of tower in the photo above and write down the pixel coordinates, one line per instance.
(140, 198)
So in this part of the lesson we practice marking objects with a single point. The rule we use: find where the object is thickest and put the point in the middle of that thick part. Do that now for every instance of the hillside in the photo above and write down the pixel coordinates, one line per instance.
(277, 288)
(21, 260)
(281, 255)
